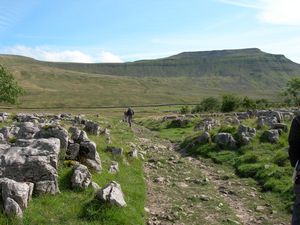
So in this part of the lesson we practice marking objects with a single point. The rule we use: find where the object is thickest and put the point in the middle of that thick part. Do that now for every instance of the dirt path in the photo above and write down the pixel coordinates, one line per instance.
(185, 190)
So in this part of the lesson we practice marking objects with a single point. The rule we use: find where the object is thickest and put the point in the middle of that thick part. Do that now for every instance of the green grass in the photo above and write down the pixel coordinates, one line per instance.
(80, 207)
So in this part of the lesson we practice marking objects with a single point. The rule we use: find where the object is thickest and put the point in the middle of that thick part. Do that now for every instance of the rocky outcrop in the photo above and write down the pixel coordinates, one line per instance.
(112, 194)
(203, 138)
(36, 161)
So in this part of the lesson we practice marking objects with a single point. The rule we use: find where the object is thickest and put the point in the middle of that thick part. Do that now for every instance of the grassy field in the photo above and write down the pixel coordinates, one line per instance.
(79, 207)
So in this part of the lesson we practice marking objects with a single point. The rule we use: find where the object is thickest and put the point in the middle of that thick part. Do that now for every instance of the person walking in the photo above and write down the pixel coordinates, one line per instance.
(129, 114)
(294, 154)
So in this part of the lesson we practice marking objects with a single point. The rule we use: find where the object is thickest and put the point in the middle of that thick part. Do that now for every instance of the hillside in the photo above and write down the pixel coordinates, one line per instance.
(245, 62)
(183, 78)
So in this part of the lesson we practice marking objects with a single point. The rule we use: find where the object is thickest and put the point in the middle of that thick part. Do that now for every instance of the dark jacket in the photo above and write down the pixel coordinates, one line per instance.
(294, 141)
(130, 112)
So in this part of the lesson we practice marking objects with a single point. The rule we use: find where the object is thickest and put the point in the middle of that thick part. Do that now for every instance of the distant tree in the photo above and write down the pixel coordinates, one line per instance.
(292, 90)
(210, 104)
(262, 103)
(184, 109)
(9, 88)
(248, 103)
(230, 102)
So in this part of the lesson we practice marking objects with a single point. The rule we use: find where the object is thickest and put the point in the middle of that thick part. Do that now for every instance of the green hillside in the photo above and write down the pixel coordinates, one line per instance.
(183, 78)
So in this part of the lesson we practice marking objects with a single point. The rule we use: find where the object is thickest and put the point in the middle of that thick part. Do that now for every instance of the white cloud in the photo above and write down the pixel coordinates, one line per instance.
(278, 12)
(109, 57)
(48, 54)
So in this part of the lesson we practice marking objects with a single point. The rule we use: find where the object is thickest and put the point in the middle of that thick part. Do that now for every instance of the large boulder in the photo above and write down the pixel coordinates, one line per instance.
(280, 126)
(35, 162)
(89, 156)
(81, 177)
(27, 130)
(59, 132)
(225, 140)
(112, 194)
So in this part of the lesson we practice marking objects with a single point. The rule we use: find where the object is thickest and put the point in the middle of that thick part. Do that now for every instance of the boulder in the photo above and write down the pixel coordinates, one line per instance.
(81, 177)
(27, 130)
(92, 127)
(35, 162)
(271, 136)
(133, 153)
(280, 126)
(114, 150)
(114, 167)
(11, 208)
(89, 156)
(225, 140)
(245, 134)
(54, 132)
(2, 138)
(73, 151)
(75, 133)
(203, 138)
(112, 194)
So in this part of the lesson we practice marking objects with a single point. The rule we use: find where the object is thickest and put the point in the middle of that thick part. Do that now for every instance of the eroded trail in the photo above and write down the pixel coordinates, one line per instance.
(186, 190)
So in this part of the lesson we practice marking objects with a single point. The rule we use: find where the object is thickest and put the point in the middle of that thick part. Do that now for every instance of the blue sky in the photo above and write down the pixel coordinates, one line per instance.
(128, 30)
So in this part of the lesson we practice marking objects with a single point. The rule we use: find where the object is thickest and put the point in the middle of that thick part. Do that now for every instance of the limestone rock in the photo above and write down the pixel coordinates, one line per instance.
(36, 162)
(92, 127)
(27, 130)
(89, 156)
(203, 138)
(112, 193)
(81, 177)
(73, 151)
(11, 207)
(55, 132)
(225, 140)
(114, 168)
(271, 136)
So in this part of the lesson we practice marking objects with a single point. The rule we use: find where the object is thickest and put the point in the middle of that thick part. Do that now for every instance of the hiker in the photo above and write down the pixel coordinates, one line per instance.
(129, 114)
(294, 154)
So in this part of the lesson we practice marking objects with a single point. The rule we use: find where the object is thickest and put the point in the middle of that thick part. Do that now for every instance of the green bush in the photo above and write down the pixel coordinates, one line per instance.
(230, 102)
(184, 109)
(209, 104)
(249, 157)
(248, 103)
(249, 170)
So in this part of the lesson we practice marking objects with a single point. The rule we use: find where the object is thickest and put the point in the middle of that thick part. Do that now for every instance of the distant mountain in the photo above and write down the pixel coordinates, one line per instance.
(185, 77)
(244, 62)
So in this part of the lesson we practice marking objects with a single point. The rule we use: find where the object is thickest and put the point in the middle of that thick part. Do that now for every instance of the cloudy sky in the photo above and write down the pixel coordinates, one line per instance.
(128, 30)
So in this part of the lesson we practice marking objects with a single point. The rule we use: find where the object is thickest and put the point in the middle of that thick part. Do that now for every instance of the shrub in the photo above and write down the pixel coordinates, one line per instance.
(249, 157)
(230, 102)
(248, 103)
(249, 170)
(184, 109)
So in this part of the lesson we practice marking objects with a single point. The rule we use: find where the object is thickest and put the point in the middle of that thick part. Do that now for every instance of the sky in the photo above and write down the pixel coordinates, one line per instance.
(128, 30)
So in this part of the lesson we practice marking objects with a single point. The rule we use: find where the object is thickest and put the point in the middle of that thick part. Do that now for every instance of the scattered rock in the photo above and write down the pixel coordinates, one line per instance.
(112, 193)
(114, 168)
(271, 136)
